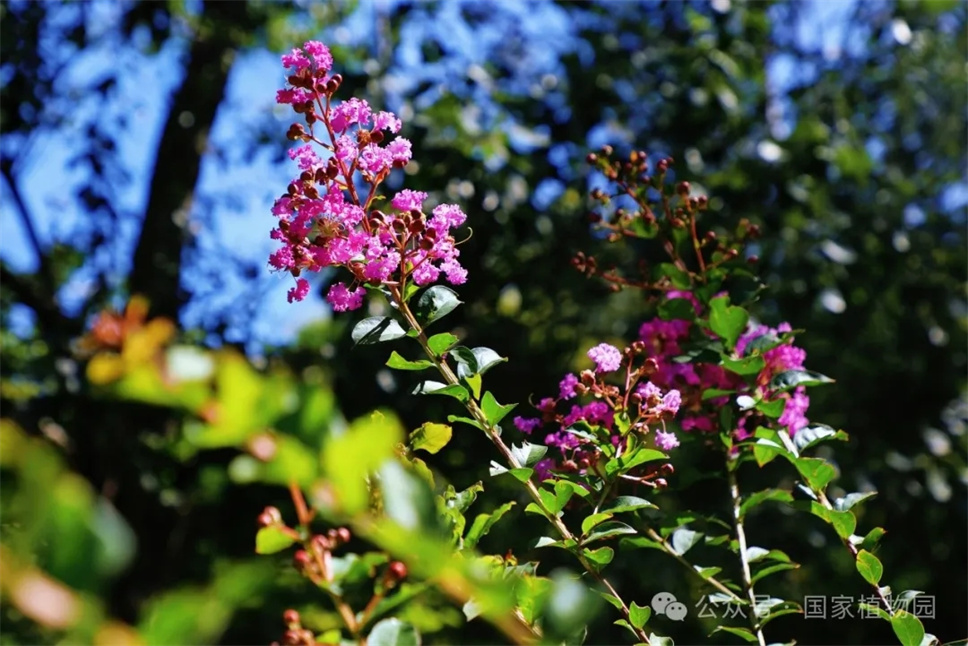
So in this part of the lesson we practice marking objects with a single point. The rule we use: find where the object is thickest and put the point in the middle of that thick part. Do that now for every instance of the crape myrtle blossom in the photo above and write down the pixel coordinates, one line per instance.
(666, 340)
(647, 406)
(327, 217)
(781, 358)
(673, 389)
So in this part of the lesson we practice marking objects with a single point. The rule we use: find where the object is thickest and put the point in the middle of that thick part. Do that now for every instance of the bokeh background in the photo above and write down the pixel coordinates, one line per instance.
(141, 150)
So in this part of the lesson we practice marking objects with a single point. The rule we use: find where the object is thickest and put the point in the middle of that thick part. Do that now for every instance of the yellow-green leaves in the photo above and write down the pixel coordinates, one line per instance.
(350, 457)
(431, 437)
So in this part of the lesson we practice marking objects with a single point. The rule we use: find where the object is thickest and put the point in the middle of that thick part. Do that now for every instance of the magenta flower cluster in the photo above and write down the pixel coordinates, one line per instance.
(646, 405)
(665, 340)
(326, 217)
(781, 358)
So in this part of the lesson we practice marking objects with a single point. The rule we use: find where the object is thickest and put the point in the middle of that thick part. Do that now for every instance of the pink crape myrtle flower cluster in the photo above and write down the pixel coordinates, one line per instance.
(646, 405)
(326, 219)
(783, 357)
(665, 340)
(674, 389)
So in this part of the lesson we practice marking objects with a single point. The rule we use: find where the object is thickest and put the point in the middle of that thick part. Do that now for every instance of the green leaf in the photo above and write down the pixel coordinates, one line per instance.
(483, 524)
(908, 628)
(563, 494)
(494, 411)
(608, 529)
(745, 366)
(873, 538)
(436, 388)
(474, 381)
(678, 277)
(593, 520)
(851, 499)
(475, 361)
(844, 522)
(727, 321)
(528, 454)
(399, 363)
(790, 379)
(453, 419)
(744, 633)
(712, 393)
(631, 460)
(440, 343)
(640, 614)
(393, 632)
(813, 435)
(817, 472)
(764, 450)
(760, 344)
(877, 610)
(408, 499)
(772, 409)
(377, 329)
(683, 539)
(403, 594)
(521, 474)
(435, 303)
(706, 572)
(627, 503)
(569, 608)
(869, 567)
(758, 498)
(464, 499)
(350, 457)
(677, 308)
(270, 540)
(576, 488)
(764, 572)
(600, 557)
(431, 437)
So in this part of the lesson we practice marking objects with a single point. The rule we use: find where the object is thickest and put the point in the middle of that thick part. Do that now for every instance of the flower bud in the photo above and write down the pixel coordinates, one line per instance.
(292, 638)
(592, 158)
(291, 618)
(301, 560)
(753, 259)
(322, 544)
(682, 188)
(395, 573)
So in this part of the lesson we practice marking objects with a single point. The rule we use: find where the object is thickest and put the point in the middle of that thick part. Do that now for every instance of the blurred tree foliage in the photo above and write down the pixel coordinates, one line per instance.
(853, 167)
